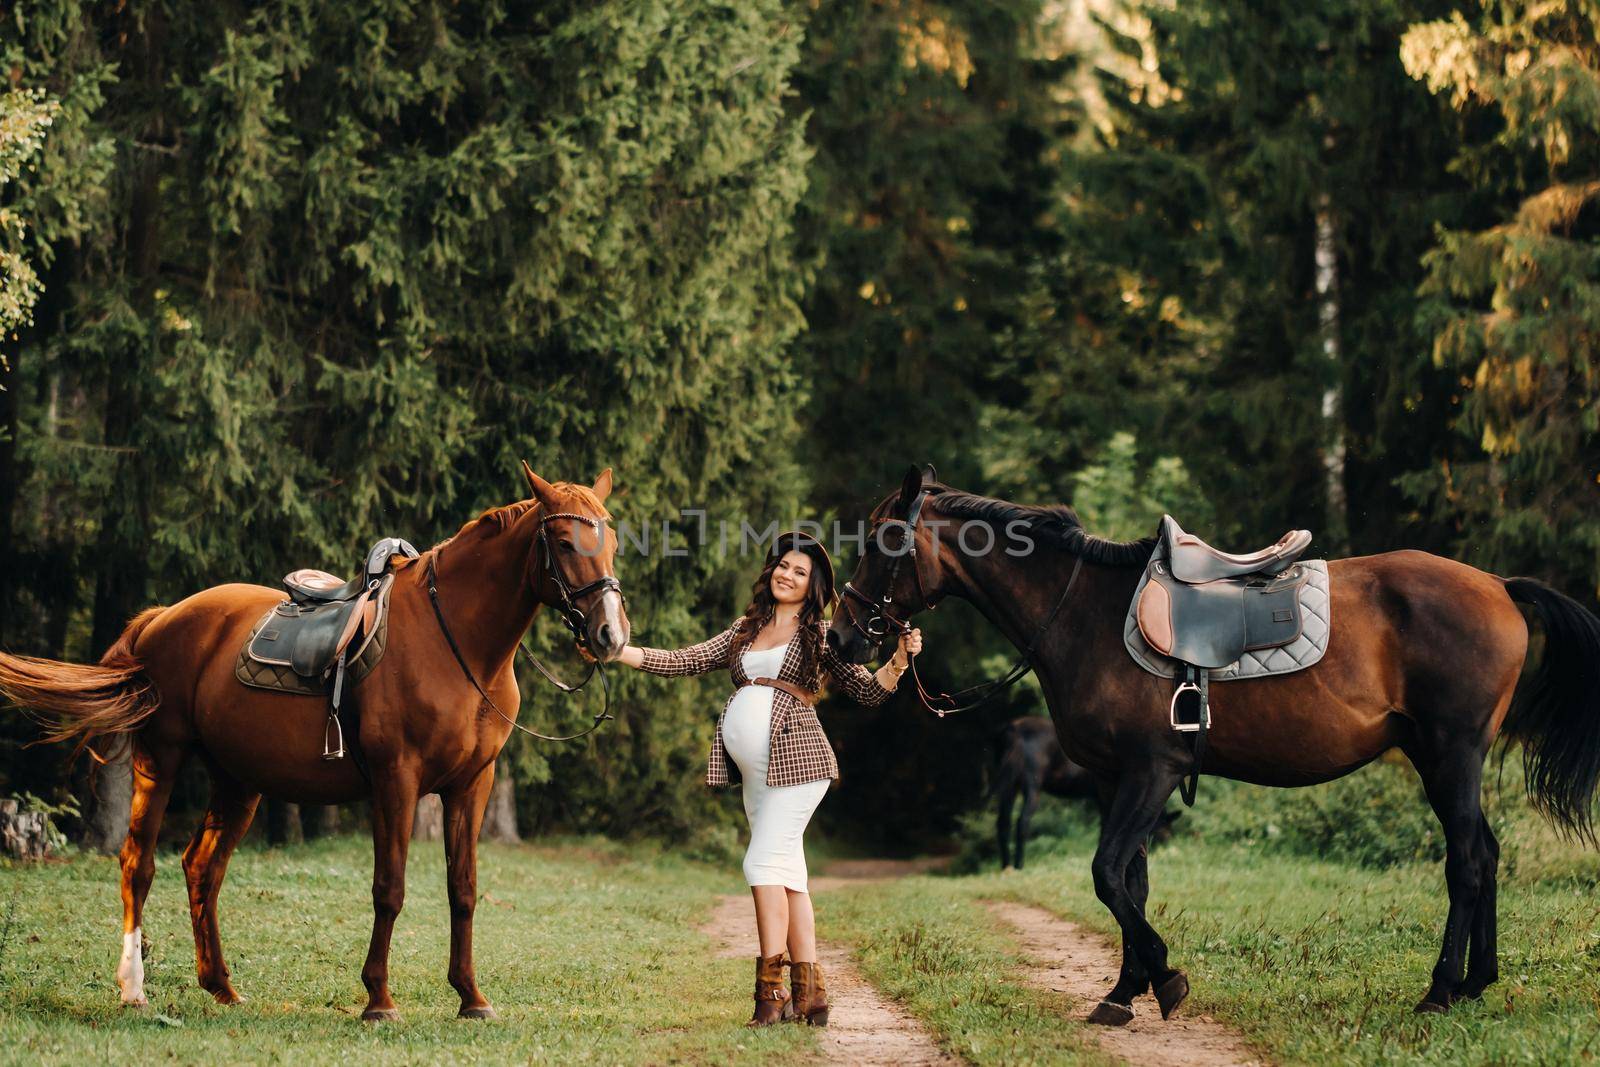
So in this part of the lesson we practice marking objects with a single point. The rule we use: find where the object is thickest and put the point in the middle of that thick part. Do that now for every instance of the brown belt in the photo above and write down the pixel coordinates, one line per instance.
(804, 696)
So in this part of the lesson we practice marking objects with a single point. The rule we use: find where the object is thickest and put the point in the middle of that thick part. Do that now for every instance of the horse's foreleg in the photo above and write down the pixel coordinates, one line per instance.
(154, 772)
(1453, 782)
(1030, 802)
(205, 863)
(1133, 812)
(463, 818)
(394, 803)
(1002, 823)
(1133, 980)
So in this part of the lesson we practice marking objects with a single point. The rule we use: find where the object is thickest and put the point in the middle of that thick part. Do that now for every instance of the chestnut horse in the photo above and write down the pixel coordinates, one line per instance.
(1425, 657)
(168, 683)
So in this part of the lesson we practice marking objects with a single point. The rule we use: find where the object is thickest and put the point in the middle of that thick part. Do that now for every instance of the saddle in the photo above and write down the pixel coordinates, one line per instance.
(1205, 609)
(309, 642)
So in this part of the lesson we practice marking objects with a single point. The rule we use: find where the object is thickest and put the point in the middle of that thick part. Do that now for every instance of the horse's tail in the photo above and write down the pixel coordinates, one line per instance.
(1556, 712)
(79, 702)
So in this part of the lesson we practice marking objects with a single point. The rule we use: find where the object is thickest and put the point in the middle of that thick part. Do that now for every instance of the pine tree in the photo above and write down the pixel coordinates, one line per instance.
(1513, 303)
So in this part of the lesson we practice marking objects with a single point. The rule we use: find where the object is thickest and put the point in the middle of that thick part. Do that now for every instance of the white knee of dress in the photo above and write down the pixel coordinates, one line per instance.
(778, 814)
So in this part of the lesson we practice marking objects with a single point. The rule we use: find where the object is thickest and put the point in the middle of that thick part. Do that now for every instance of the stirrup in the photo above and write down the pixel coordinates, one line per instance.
(1172, 710)
(337, 750)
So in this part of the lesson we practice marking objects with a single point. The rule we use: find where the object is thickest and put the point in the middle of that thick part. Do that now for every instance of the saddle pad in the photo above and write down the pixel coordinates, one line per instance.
(282, 678)
(1316, 612)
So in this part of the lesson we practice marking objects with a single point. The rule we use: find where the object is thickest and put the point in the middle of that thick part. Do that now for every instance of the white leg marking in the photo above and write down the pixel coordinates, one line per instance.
(130, 972)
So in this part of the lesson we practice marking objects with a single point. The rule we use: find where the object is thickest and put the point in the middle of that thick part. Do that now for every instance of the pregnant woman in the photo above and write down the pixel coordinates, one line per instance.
(779, 660)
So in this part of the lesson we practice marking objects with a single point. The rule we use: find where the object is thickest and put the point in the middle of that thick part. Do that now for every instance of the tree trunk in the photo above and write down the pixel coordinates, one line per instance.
(1336, 526)
(429, 823)
(319, 820)
(110, 797)
(283, 823)
(22, 834)
(122, 542)
(500, 818)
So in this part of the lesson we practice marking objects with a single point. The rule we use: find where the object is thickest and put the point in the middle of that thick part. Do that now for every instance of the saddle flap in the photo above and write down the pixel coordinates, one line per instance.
(1212, 624)
(307, 637)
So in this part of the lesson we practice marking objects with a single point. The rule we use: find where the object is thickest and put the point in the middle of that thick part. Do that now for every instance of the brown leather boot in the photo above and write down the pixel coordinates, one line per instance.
(810, 995)
(772, 1000)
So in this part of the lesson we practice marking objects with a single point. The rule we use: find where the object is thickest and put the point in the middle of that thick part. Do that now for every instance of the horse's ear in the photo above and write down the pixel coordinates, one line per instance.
(543, 491)
(928, 473)
(602, 485)
(912, 485)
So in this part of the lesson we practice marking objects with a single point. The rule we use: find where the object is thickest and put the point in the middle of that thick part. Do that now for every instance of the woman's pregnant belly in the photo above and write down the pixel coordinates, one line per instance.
(747, 730)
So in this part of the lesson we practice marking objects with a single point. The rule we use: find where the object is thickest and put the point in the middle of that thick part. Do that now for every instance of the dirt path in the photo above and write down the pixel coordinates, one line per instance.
(1066, 959)
(864, 1027)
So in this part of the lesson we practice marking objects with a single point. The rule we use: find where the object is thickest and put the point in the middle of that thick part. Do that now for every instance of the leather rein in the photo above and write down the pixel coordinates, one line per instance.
(880, 623)
(571, 616)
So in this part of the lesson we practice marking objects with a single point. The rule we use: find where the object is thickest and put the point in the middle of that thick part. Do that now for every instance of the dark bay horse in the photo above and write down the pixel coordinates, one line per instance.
(168, 684)
(1029, 761)
(1425, 657)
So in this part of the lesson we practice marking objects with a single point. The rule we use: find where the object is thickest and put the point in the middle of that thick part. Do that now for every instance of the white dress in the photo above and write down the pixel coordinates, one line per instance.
(778, 814)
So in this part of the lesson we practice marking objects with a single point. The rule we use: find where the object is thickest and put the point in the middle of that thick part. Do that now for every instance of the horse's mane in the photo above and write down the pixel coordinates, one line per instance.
(504, 516)
(1055, 524)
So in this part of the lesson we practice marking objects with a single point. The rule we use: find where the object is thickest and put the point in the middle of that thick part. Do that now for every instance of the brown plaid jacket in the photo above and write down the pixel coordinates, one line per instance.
(799, 750)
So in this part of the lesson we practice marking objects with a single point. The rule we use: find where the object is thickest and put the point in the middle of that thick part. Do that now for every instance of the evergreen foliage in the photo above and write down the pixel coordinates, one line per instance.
(1514, 304)
(301, 274)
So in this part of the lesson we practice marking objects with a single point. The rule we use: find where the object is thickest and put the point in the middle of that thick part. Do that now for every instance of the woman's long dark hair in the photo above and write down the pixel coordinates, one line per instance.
(819, 597)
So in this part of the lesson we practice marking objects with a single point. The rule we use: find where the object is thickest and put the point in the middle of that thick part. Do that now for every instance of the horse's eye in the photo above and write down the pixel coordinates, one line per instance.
(566, 544)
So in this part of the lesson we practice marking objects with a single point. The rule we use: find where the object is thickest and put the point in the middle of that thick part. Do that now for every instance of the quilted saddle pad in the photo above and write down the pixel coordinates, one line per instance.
(1316, 610)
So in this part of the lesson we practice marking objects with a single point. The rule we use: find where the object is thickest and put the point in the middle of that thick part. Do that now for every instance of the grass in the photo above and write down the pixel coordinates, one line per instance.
(1314, 962)
(927, 942)
(589, 950)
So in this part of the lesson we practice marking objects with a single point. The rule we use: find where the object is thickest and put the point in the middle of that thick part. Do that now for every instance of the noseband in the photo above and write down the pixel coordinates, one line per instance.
(571, 616)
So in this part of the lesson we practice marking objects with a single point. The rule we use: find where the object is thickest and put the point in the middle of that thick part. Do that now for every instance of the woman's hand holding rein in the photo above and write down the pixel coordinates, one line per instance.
(889, 674)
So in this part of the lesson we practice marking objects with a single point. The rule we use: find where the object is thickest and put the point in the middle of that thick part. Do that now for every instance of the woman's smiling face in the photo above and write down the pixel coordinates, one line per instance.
(791, 578)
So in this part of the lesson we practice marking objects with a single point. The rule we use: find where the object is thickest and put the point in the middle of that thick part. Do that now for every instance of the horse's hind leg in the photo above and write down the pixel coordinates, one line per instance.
(205, 863)
(155, 769)
(1453, 782)
(463, 818)
(1483, 957)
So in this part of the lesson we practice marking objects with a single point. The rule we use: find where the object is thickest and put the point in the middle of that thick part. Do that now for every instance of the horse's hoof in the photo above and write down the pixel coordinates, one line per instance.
(1429, 1007)
(380, 1015)
(1171, 993)
(1110, 1013)
(483, 1012)
(136, 1002)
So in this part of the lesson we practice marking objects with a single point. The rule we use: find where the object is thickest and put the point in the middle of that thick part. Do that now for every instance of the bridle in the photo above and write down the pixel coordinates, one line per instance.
(572, 617)
(880, 622)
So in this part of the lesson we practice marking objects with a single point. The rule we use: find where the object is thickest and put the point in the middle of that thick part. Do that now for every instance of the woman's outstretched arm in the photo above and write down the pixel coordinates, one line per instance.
(872, 687)
(703, 658)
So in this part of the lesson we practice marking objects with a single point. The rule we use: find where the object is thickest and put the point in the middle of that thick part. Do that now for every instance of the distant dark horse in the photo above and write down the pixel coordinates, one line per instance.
(1029, 760)
(1425, 656)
